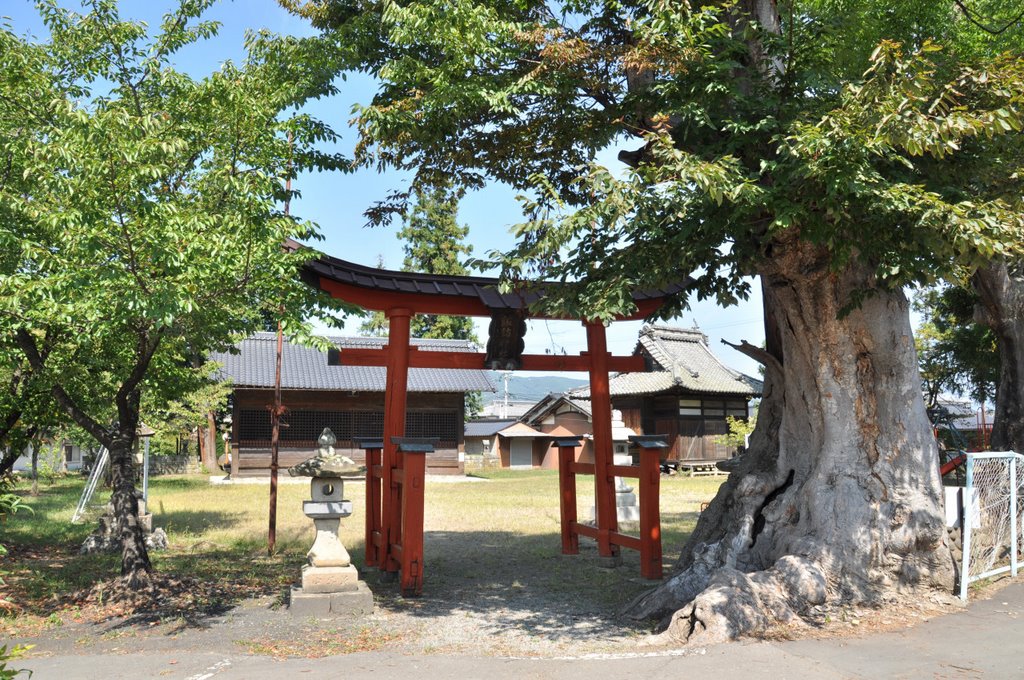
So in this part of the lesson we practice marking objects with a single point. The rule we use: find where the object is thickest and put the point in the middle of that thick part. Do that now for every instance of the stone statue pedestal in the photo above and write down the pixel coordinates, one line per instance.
(330, 582)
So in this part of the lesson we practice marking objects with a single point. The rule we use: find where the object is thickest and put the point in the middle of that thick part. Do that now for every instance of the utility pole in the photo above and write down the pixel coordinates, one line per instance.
(504, 410)
(277, 409)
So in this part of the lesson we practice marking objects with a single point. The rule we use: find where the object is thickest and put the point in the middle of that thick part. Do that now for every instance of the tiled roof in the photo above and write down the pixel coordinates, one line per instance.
(552, 401)
(680, 360)
(306, 368)
(486, 428)
(520, 430)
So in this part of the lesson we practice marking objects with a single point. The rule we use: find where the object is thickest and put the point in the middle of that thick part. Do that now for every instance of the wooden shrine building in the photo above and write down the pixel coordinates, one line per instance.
(347, 399)
(685, 394)
(395, 474)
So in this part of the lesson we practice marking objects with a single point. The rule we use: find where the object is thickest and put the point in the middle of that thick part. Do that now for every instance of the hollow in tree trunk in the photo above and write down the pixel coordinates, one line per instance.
(1001, 290)
(838, 497)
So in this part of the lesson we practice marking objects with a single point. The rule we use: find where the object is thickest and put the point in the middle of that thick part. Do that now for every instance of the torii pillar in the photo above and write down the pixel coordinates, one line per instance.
(395, 399)
(601, 418)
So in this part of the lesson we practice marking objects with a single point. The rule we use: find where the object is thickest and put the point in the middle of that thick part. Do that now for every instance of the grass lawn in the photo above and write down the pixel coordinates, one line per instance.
(484, 539)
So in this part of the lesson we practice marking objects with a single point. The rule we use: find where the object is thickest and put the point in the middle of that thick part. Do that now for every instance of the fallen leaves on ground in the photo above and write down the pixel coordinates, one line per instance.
(315, 644)
(162, 597)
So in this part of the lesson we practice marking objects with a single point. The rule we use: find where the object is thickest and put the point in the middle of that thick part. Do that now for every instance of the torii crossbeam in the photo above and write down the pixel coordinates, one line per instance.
(400, 296)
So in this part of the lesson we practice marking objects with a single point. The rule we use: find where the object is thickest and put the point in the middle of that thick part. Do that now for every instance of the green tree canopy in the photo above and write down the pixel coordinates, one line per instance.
(435, 243)
(141, 211)
(527, 92)
(956, 354)
(829, 147)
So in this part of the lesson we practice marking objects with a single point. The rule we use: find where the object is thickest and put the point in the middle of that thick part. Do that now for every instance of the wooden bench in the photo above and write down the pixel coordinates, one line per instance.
(696, 468)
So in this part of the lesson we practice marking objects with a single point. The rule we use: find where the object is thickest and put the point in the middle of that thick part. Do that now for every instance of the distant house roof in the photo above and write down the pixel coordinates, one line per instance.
(520, 430)
(551, 403)
(963, 415)
(306, 368)
(510, 411)
(680, 360)
(486, 428)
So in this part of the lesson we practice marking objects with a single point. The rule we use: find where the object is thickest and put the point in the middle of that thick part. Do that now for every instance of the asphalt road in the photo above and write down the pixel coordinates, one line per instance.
(984, 641)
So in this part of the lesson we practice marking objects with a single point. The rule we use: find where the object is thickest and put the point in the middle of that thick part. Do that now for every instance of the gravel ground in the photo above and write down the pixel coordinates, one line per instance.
(487, 620)
(497, 591)
(505, 615)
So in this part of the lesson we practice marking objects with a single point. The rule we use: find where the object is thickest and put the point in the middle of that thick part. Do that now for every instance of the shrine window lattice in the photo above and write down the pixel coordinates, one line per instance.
(301, 428)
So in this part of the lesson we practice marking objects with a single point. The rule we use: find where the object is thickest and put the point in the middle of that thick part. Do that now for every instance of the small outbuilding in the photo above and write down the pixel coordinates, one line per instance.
(685, 394)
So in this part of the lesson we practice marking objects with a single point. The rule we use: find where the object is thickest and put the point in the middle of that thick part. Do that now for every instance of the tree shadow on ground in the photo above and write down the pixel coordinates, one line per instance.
(522, 584)
(195, 522)
(49, 577)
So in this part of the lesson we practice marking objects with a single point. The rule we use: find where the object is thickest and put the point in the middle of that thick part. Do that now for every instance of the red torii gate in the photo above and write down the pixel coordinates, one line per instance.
(394, 527)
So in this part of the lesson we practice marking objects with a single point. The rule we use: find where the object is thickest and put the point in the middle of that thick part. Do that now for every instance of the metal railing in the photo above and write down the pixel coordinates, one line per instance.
(991, 516)
(90, 486)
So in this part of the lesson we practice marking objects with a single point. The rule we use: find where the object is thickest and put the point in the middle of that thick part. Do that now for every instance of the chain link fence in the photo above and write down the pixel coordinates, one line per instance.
(991, 516)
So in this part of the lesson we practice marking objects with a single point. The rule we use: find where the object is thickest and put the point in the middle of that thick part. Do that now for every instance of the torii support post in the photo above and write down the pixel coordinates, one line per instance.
(410, 479)
(601, 417)
(374, 473)
(651, 447)
(394, 426)
(567, 493)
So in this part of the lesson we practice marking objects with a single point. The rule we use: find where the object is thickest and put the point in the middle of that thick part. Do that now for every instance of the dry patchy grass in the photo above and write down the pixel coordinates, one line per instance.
(491, 546)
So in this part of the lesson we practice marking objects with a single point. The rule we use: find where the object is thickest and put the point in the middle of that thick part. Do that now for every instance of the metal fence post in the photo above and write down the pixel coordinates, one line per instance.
(1013, 515)
(965, 528)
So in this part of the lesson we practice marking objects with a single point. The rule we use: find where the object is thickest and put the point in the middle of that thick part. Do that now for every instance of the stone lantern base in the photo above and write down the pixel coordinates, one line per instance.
(355, 602)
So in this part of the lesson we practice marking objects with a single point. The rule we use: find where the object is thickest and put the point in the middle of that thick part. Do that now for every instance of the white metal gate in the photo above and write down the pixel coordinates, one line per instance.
(991, 515)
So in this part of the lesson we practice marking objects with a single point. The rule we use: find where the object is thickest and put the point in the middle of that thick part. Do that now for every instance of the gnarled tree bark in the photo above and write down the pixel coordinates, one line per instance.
(1001, 289)
(838, 497)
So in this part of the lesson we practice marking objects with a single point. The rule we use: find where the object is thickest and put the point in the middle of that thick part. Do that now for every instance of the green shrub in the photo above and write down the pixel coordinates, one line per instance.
(9, 654)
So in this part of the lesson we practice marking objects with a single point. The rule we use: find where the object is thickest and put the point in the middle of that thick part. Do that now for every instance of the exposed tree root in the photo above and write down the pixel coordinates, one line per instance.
(735, 604)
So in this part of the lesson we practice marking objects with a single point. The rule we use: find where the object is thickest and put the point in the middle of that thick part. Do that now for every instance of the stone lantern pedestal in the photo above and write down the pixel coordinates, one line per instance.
(330, 582)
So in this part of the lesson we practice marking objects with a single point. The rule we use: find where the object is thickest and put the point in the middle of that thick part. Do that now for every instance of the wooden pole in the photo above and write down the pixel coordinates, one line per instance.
(567, 496)
(374, 539)
(394, 426)
(650, 512)
(414, 468)
(276, 411)
(601, 414)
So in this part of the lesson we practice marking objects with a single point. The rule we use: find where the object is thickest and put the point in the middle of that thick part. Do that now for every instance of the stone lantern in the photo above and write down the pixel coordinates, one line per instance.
(330, 582)
(627, 507)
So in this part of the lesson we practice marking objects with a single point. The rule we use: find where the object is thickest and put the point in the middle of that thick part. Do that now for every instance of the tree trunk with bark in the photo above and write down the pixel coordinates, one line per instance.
(119, 440)
(135, 564)
(7, 447)
(35, 469)
(1001, 289)
(208, 439)
(839, 496)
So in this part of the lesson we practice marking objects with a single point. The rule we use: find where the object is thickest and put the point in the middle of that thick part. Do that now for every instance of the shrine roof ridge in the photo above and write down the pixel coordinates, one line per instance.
(481, 291)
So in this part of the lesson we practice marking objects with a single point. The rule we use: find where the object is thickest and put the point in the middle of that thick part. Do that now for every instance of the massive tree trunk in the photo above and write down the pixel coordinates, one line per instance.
(838, 497)
(1001, 289)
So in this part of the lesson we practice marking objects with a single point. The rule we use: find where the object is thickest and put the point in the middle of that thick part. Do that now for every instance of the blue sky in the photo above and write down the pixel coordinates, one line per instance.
(336, 201)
